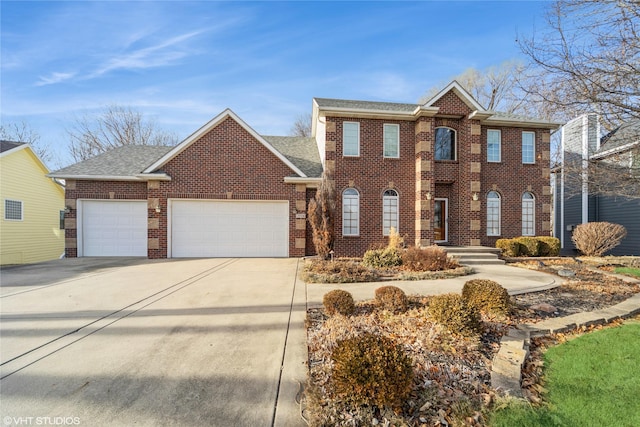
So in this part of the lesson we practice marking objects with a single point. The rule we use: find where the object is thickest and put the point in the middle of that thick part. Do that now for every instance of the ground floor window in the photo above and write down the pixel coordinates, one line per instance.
(350, 212)
(389, 211)
(528, 214)
(493, 213)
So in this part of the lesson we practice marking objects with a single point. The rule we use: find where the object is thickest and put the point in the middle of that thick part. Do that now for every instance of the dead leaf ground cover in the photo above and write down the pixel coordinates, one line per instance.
(452, 373)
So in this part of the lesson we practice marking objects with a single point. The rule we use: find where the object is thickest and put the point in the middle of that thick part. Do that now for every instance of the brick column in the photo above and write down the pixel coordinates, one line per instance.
(546, 190)
(154, 200)
(70, 220)
(300, 238)
(471, 190)
(425, 184)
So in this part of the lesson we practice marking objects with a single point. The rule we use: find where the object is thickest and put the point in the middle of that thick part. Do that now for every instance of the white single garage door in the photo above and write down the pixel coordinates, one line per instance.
(114, 228)
(207, 228)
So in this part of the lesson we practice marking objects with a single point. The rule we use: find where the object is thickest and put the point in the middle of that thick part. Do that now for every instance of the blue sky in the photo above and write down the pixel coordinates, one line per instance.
(182, 63)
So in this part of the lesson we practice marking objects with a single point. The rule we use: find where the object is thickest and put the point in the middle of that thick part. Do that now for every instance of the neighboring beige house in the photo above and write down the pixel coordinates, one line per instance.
(31, 208)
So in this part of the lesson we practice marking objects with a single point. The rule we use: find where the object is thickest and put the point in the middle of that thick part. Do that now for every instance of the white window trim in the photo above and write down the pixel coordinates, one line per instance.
(384, 138)
(344, 154)
(499, 216)
(397, 213)
(455, 145)
(533, 153)
(21, 210)
(356, 197)
(533, 212)
(499, 146)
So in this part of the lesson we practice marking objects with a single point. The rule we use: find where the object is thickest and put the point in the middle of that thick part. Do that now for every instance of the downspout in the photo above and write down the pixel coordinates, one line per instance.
(562, 230)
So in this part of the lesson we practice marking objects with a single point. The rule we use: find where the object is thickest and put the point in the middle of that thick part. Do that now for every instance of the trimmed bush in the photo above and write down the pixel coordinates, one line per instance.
(431, 258)
(548, 246)
(528, 246)
(382, 258)
(510, 247)
(338, 302)
(597, 238)
(452, 311)
(371, 370)
(391, 298)
(487, 296)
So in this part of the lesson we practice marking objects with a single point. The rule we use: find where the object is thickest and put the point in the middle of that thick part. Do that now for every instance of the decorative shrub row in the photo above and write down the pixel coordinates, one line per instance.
(431, 258)
(341, 302)
(529, 246)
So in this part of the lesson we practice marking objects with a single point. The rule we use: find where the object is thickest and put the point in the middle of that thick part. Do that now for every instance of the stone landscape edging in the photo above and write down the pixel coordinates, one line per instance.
(507, 364)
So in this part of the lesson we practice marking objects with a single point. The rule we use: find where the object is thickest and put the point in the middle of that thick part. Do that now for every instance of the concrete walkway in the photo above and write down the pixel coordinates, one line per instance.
(516, 280)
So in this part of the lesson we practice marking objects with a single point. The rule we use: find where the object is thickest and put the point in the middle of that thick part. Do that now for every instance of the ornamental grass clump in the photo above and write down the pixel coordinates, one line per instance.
(431, 258)
(391, 298)
(371, 370)
(338, 301)
(487, 296)
(597, 238)
(453, 312)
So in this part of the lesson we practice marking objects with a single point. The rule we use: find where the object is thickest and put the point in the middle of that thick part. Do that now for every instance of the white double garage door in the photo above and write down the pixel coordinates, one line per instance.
(196, 228)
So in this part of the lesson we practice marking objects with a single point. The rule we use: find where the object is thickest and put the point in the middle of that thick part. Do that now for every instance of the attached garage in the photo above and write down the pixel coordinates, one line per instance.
(112, 228)
(221, 228)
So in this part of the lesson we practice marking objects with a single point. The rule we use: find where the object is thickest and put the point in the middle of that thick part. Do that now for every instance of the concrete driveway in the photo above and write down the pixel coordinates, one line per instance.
(195, 342)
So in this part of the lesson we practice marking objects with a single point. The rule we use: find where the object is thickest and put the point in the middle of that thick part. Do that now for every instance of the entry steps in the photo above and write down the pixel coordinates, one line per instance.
(475, 255)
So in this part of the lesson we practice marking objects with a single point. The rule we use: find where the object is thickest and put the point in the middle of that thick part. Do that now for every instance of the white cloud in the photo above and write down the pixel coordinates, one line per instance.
(54, 78)
(158, 55)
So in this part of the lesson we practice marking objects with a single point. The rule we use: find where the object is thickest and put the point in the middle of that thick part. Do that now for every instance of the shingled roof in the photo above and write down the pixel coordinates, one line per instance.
(619, 138)
(9, 145)
(131, 160)
(125, 161)
(301, 151)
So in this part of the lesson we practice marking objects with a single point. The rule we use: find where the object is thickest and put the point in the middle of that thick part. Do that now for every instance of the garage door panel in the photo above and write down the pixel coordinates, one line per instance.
(229, 229)
(114, 228)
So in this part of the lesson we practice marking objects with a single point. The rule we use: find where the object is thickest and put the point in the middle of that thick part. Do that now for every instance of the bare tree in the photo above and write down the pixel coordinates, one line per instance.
(497, 88)
(22, 132)
(302, 126)
(588, 59)
(114, 127)
(321, 213)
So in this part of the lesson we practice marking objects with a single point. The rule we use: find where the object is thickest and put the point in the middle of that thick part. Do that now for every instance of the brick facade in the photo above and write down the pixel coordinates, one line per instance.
(228, 162)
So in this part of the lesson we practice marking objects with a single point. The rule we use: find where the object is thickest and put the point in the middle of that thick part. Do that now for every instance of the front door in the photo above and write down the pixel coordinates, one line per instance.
(440, 220)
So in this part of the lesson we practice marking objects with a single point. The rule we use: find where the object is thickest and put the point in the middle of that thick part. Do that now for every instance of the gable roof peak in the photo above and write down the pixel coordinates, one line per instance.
(227, 113)
(461, 92)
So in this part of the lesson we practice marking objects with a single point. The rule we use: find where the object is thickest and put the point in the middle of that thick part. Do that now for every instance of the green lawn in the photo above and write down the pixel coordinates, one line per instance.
(629, 271)
(593, 380)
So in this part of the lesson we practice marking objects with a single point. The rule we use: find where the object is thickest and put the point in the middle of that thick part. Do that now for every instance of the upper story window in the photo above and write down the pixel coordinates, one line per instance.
(445, 148)
(350, 212)
(391, 141)
(351, 139)
(493, 213)
(528, 214)
(528, 147)
(12, 210)
(389, 211)
(494, 146)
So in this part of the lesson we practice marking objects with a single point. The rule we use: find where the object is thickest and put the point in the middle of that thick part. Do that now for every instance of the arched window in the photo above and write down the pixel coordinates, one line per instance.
(528, 214)
(389, 211)
(445, 147)
(493, 213)
(350, 212)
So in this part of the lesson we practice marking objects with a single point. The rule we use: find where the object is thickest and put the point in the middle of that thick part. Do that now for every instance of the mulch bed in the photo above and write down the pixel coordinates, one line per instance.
(452, 384)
